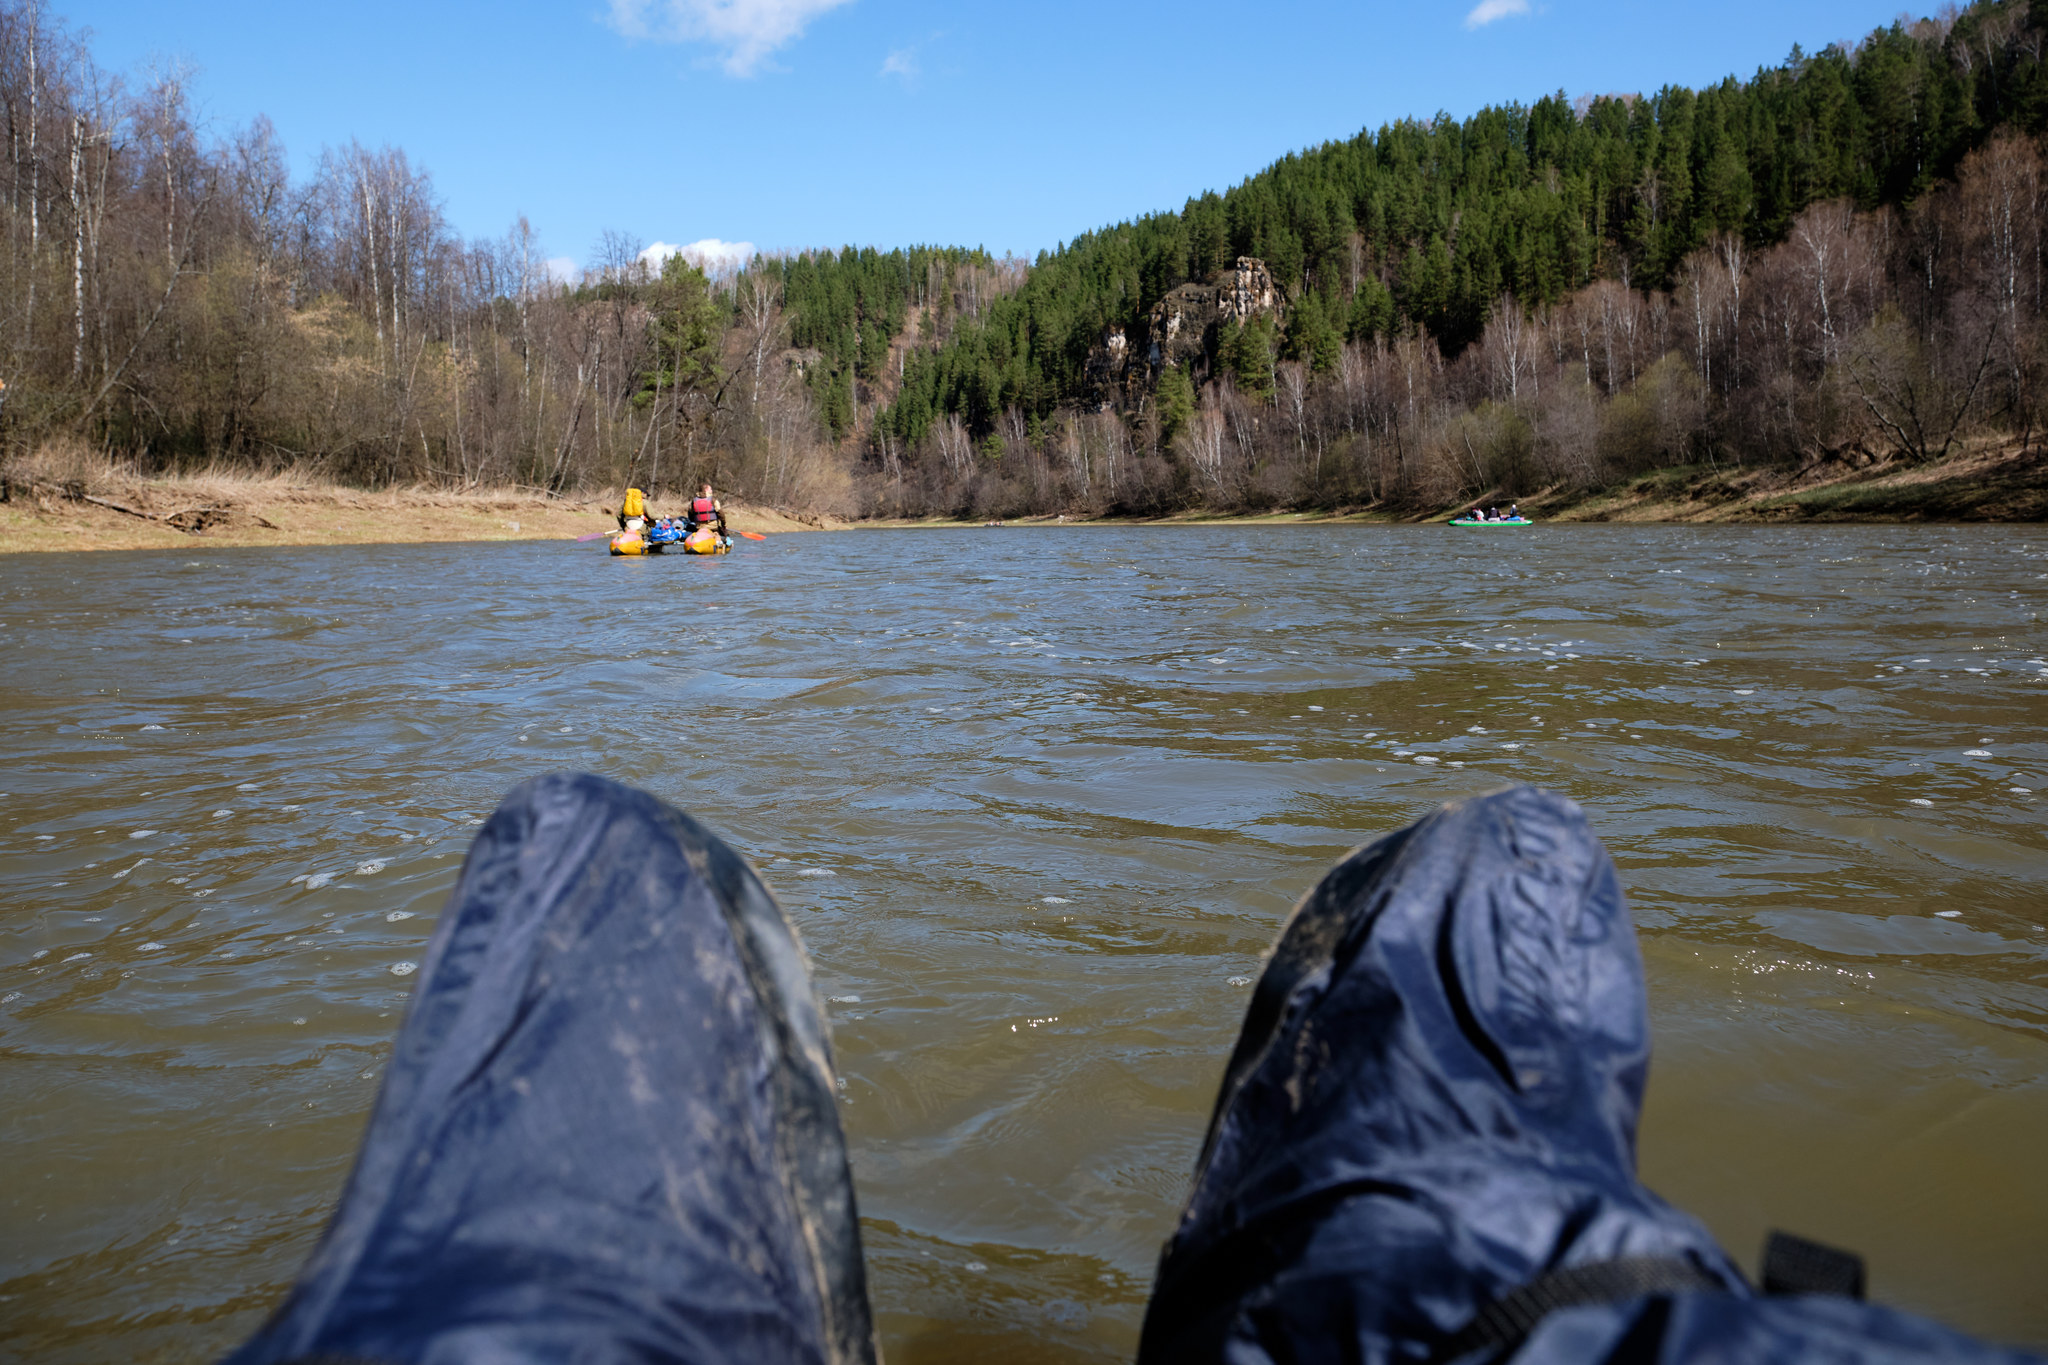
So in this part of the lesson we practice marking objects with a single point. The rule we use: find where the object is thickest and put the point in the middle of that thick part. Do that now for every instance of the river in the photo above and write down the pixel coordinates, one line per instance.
(1038, 800)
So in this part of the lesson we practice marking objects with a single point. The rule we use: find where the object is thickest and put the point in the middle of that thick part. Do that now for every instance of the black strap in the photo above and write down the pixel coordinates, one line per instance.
(1508, 1319)
(1793, 1265)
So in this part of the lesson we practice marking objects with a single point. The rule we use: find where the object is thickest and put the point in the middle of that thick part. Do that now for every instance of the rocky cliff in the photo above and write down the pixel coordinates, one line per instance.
(1180, 331)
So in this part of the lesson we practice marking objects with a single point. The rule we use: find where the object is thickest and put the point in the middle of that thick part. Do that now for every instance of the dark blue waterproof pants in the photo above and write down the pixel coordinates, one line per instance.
(608, 1130)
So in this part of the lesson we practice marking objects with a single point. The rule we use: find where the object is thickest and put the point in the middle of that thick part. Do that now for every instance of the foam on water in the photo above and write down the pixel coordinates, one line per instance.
(816, 872)
(318, 879)
(141, 833)
(404, 968)
(370, 868)
(396, 915)
(1054, 900)
(1919, 801)
(222, 813)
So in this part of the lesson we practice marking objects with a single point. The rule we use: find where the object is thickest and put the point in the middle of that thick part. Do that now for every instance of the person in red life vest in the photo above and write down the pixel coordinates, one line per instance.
(705, 511)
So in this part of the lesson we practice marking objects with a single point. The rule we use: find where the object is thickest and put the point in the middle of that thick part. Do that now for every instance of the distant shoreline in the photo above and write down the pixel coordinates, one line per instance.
(127, 513)
(1993, 485)
(235, 511)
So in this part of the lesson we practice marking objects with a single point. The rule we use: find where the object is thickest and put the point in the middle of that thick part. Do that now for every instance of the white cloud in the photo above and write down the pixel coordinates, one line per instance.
(562, 269)
(902, 64)
(1486, 11)
(745, 31)
(711, 255)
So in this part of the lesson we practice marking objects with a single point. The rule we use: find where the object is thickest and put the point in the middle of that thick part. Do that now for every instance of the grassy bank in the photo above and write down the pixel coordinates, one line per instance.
(57, 502)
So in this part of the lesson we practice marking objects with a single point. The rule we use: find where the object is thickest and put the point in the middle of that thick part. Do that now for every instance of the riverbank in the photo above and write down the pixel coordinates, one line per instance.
(1991, 484)
(1994, 483)
(100, 506)
(109, 509)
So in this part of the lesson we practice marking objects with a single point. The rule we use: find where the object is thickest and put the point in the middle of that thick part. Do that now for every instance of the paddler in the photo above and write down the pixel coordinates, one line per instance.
(706, 511)
(633, 512)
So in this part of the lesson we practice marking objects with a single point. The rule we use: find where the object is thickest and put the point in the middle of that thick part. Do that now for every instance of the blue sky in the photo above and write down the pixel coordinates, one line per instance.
(793, 123)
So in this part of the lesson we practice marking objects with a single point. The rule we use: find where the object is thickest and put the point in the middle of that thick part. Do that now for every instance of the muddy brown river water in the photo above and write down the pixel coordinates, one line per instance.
(1038, 800)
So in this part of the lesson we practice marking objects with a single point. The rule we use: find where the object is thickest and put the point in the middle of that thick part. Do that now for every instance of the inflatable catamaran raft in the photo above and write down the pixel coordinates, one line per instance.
(661, 536)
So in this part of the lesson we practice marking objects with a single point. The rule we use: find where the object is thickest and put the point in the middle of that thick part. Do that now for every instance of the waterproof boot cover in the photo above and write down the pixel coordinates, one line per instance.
(1433, 1103)
(609, 1129)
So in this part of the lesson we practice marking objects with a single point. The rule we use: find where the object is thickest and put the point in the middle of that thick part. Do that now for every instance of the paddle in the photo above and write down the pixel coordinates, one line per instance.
(592, 536)
(752, 535)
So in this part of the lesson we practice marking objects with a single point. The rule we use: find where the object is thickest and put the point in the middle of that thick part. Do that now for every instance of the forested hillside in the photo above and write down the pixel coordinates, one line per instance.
(1838, 256)
(1763, 269)
(180, 301)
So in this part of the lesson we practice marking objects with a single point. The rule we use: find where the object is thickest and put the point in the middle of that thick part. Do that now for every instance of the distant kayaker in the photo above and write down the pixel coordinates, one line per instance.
(706, 511)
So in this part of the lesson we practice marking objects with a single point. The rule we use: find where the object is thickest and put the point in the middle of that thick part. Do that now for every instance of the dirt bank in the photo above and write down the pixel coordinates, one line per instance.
(1997, 483)
(109, 510)
(1993, 483)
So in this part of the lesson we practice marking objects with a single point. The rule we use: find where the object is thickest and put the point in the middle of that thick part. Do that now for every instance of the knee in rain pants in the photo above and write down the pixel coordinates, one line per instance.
(608, 1131)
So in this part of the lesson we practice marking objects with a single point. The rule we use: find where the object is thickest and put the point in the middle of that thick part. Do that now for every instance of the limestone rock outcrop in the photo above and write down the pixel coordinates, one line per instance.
(1107, 368)
(1183, 324)
(1180, 330)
